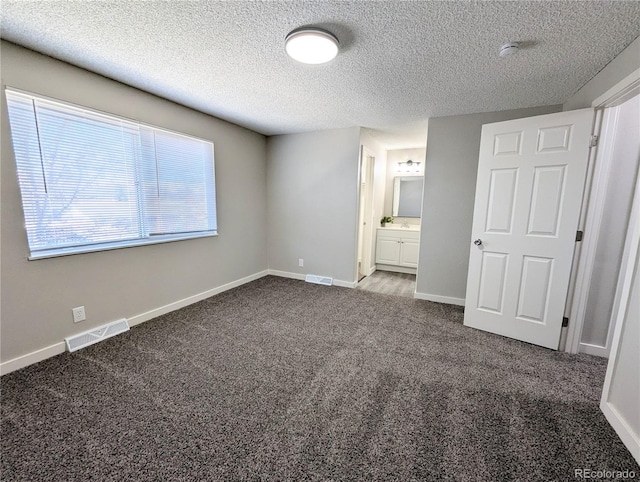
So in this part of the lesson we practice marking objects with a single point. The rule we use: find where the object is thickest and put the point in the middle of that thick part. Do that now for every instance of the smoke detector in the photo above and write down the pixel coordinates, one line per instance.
(509, 49)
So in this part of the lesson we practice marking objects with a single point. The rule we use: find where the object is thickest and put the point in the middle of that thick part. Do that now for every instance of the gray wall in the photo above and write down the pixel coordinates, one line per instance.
(449, 190)
(624, 64)
(312, 181)
(37, 296)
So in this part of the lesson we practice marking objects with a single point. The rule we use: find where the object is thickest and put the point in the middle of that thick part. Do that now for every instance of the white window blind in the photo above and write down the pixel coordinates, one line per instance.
(91, 181)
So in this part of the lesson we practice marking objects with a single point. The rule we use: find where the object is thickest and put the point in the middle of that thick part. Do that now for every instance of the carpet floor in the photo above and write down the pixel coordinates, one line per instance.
(284, 380)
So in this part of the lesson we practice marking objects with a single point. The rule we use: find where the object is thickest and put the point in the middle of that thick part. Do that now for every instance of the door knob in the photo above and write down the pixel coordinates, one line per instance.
(478, 242)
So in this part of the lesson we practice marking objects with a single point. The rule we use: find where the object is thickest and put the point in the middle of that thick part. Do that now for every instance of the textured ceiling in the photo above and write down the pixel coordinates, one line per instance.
(400, 62)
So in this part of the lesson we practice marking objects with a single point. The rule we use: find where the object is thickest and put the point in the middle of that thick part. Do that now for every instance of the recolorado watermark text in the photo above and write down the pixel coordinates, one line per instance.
(603, 474)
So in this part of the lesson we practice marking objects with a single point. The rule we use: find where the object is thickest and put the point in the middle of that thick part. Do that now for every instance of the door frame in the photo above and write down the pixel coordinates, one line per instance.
(619, 313)
(591, 216)
(365, 214)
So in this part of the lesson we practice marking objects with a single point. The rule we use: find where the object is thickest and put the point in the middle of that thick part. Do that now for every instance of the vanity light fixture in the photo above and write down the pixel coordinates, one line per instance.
(409, 166)
(311, 45)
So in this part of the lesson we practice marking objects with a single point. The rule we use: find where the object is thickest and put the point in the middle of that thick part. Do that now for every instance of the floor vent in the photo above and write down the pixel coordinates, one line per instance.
(320, 280)
(90, 337)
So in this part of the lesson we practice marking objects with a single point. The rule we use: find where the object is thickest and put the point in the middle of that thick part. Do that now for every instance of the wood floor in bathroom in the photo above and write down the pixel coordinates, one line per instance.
(389, 283)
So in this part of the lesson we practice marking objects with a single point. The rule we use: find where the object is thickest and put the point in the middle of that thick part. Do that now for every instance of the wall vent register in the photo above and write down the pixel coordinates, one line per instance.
(87, 338)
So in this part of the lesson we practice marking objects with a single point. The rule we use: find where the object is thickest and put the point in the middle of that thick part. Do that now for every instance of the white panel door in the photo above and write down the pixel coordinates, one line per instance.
(531, 176)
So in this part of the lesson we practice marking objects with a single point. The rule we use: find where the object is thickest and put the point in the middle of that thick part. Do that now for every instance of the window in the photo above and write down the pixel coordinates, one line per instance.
(91, 181)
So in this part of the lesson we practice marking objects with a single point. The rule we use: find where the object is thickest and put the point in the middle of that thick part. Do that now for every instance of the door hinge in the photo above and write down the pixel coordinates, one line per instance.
(565, 321)
(579, 235)
(594, 141)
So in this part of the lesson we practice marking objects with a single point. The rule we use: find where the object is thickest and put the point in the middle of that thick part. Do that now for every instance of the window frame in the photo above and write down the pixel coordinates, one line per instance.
(111, 245)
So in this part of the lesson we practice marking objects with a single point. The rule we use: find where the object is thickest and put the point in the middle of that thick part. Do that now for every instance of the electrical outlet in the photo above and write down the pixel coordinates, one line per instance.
(78, 314)
(300, 262)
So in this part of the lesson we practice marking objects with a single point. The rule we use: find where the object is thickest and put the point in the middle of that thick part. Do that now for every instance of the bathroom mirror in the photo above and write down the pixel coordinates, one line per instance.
(407, 196)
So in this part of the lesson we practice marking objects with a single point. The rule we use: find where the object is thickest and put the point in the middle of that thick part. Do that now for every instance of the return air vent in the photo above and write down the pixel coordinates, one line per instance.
(319, 280)
(90, 337)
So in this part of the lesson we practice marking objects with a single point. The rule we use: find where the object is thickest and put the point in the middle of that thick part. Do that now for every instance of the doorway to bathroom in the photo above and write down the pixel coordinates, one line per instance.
(390, 187)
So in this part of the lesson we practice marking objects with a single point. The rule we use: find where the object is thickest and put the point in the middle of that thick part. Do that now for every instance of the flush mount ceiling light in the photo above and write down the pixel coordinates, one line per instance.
(311, 45)
(509, 48)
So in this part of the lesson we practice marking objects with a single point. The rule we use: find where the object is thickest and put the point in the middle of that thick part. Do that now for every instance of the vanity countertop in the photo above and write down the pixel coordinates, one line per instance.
(398, 227)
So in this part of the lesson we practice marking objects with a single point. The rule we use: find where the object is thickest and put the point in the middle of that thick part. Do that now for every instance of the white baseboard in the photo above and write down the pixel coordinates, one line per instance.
(31, 358)
(439, 299)
(629, 438)
(57, 348)
(345, 284)
(176, 305)
(288, 274)
(593, 350)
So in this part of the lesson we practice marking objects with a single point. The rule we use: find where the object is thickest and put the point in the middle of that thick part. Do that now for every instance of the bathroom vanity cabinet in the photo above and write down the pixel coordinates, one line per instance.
(397, 249)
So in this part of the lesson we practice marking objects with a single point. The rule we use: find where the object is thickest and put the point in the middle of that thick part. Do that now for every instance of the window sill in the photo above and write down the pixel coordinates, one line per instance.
(93, 248)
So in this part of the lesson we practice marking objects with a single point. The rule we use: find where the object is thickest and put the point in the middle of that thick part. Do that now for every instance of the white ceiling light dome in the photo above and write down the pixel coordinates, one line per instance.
(311, 45)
